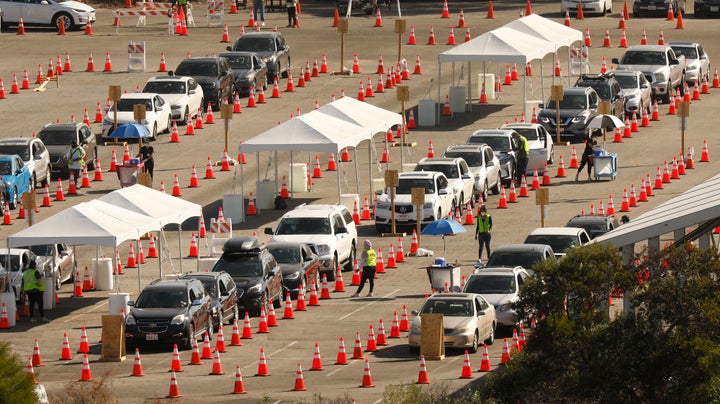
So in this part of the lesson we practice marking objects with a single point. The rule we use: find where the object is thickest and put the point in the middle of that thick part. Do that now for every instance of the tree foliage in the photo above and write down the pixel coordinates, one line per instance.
(666, 351)
(16, 386)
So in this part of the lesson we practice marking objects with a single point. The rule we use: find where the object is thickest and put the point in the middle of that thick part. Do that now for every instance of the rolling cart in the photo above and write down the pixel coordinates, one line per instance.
(604, 164)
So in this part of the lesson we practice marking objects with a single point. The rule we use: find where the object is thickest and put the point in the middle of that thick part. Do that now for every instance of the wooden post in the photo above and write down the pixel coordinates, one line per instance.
(418, 200)
(343, 28)
(400, 25)
(556, 94)
(391, 181)
(226, 114)
(114, 93)
(542, 199)
(683, 115)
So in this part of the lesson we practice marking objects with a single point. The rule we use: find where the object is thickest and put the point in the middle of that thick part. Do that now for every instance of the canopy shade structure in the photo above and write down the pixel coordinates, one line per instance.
(165, 208)
(360, 113)
(500, 45)
(546, 29)
(696, 206)
(312, 132)
(88, 223)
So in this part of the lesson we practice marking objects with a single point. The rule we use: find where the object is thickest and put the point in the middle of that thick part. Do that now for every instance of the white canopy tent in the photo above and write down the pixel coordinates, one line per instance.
(311, 132)
(547, 29)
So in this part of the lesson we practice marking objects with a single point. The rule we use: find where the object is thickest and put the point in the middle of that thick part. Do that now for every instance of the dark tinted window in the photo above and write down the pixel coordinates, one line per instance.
(165, 87)
(197, 69)
(171, 298)
(491, 284)
(58, 137)
(239, 265)
(20, 150)
(514, 258)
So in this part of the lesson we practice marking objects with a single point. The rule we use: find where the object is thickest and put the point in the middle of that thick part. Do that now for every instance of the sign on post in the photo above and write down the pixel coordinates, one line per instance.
(556, 94)
(542, 199)
(683, 113)
(136, 56)
(432, 340)
(215, 13)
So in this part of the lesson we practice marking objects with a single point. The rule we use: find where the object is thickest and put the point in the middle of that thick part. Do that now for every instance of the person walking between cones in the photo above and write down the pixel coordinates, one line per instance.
(34, 290)
(587, 158)
(181, 5)
(259, 8)
(522, 150)
(76, 160)
(367, 261)
(482, 232)
(147, 154)
(291, 6)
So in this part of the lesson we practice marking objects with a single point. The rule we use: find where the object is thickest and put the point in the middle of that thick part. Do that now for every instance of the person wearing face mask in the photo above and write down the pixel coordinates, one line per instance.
(367, 262)
(482, 232)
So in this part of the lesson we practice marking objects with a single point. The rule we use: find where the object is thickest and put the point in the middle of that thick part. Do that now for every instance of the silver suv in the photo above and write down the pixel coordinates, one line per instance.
(500, 286)
(457, 172)
(33, 153)
(330, 227)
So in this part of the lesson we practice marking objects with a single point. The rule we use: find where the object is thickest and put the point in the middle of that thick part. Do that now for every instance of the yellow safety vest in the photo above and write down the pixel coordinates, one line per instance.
(370, 257)
(31, 282)
(483, 226)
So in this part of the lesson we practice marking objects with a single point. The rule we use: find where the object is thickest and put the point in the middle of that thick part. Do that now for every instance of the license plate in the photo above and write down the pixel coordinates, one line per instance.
(151, 337)
(402, 218)
(714, 9)
(652, 8)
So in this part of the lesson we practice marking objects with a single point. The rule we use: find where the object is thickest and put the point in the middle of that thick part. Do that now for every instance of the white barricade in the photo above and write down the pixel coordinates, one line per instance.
(215, 13)
(136, 56)
(220, 232)
(579, 60)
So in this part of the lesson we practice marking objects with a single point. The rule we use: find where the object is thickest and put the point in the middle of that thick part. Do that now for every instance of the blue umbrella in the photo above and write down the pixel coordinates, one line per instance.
(130, 131)
(443, 227)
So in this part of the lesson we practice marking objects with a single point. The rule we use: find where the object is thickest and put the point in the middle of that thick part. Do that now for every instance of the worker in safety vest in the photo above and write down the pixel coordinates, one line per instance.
(34, 289)
(522, 152)
(368, 262)
(482, 232)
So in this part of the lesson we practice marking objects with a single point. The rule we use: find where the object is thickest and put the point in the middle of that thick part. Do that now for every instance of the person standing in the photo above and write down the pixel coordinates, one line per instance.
(587, 158)
(522, 150)
(147, 154)
(181, 5)
(34, 290)
(75, 157)
(482, 232)
(259, 8)
(291, 6)
(367, 261)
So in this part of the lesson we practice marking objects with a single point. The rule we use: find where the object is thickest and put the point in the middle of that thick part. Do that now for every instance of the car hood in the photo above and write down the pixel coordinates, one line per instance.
(305, 238)
(206, 79)
(404, 199)
(630, 91)
(288, 269)
(57, 151)
(456, 322)
(129, 117)
(175, 99)
(157, 312)
(564, 113)
(241, 73)
(499, 299)
(246, 282)
(643, 68)
(76, 5)
(265, 54)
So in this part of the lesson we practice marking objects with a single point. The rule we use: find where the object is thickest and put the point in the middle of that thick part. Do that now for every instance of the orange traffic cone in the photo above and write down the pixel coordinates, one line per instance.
(317, 361)
(195, 358)
(491, 10)
(65, 354)
(431, 38)
(251, 210)
(175, 365)
(325, 291)
(341, 355)
(86, 375)
(174, 389)
(137, 366)
(705, 155)
(217, 365)
(239, 385)
(358, 350)
(288, 314)
(367, 377)
(262, 364)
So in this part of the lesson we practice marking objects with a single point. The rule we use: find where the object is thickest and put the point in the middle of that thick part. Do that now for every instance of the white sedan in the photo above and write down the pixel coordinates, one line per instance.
(182, 92)
(158, 116)
(540, 144)
(47, 12)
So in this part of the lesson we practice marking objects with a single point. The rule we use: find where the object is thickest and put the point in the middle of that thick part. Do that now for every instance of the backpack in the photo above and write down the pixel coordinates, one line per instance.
(280, 203)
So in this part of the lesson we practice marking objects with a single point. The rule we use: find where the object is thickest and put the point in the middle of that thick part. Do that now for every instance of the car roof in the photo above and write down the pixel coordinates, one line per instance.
(447, 161)
(419, 174)
(13, 251)
(454, 296)
(688, 44)
(197, 275)
(497, 271)
(560, 231)
(138, 96)
(659, 48)
(627, 72)
(169, 78)
(518, 125)
(522, 247)
(238, 53)
(243, 244)
(18, 140)
(169, 283)
(194, 59)
(493, 132)
(285, 244)
(64, 126)
(591, 219)
(263, 34)
(8, 156)
(476, 147)
(578, 90)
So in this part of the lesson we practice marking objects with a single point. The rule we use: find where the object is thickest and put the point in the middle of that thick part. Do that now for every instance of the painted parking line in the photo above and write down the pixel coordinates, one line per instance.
(267, 355)
(92, 309)
(365, 306)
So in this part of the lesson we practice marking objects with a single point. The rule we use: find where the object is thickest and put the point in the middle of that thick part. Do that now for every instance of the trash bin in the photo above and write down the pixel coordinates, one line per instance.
(128, 173)
(426, 112)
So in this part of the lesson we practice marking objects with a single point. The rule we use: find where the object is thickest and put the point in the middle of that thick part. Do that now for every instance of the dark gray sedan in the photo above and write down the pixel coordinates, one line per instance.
(249, 70)
(299, 265)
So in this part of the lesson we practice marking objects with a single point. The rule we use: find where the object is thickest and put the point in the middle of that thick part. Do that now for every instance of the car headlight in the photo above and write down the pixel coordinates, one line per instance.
(130, 320)
(255, 288)
(504, 307)
(293, 276)
(659, 77)
(178, 320)
(427, 205)
(323, 249)
(107, 121)
(544, 119)
(631, 96)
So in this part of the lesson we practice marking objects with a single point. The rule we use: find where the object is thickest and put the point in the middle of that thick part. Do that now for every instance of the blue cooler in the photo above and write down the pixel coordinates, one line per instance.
(134, 162)
(440, 262)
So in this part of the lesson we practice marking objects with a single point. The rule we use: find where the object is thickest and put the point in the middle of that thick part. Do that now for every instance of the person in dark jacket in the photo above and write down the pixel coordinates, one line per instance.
(587, 158)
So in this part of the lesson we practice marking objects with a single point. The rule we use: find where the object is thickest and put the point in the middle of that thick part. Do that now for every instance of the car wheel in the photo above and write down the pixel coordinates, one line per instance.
(190, 338)
(414, 349)
(13, 200)
(235, 315)
(552, 156)
(484, 193)
(277, 302)
(351, 258)
(67, 21)
(211, 327)
(169, 124)
(474, 346)
(34, 180)
(58, 281)
(91, 163)
(331, 273)
(186, 116)
(46, 181)
(153, 134)
(491, 338)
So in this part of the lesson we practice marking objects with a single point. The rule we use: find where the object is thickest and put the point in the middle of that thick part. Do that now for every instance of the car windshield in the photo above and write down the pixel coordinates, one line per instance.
(627, 81)
(285, 255)
(450, 170)
(173, 298)
(529, 133)
(304, 225)
(14, 261)
(239, 265)
(574, 101)
(165, 87)
(491, 284)
(57, 137)
(254, 44)
(197, 69)
(239, 61)
(210, 285)
(5, 168)
(602, 90)
(406, 185)
(514, 258)
(643, 58)
(20, 150)
(471, 158)
(688, 51)
(557, 242)
(127, 104)
(41, 250)
(498, 143)
(450, 308)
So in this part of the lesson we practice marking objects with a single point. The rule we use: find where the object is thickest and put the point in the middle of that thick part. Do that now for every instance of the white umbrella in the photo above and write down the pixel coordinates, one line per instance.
(605, 121)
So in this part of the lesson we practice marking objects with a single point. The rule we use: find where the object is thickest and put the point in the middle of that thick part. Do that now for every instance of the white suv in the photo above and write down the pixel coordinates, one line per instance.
(330, 227)
(500, 286)
(482, 162)
(540, 144)
(33, 153)
(439, 201)
(457, 172)
(559, 238)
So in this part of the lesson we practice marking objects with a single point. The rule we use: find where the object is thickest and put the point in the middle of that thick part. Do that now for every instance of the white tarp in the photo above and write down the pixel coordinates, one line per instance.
(360, 113)
(500, 45)
(546, 29)
(312, 132)
(166, 208)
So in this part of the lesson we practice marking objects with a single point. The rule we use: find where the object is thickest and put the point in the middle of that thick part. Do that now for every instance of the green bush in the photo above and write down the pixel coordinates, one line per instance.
(16, 386)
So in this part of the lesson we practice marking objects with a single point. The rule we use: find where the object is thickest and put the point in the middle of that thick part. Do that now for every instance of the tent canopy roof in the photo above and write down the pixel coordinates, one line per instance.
(697, 205)
(313, 132)
(376, 119)
(549, 30)
(158, 205)
(502, 45)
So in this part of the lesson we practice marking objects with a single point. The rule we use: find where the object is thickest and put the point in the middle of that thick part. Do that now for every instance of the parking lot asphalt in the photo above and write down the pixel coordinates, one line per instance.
(293, 341)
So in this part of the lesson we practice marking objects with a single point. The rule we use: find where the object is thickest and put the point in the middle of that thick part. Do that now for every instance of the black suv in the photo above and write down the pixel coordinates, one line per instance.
(255, 272)
(223, 293)
(607, 89)
(58, 137)
(577, 107)
(214, 75)
(272, 49)
(169, 311)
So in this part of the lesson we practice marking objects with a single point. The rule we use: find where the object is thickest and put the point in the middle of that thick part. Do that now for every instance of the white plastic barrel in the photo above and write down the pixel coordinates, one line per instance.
(299, 177)
(102, 269)
(117, 302)
(426, 112)
(233, 207)
(489, 80)
(10, 307)
(457, 99)
(49, 294)
(265, 198)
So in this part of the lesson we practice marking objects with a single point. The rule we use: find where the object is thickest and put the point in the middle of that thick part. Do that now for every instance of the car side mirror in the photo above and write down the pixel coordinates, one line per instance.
(225, 293)
(191, 92)
(171, 73)
(131, 303)
(490, 163)
(615, 60)
(268, 230)
(197, 302)
(414, 312)
(674, 62)
(341, 230)
(228, 48)
(466, 176)
(18, 171)
(37, 157)
(379, 191)
(481, 313)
